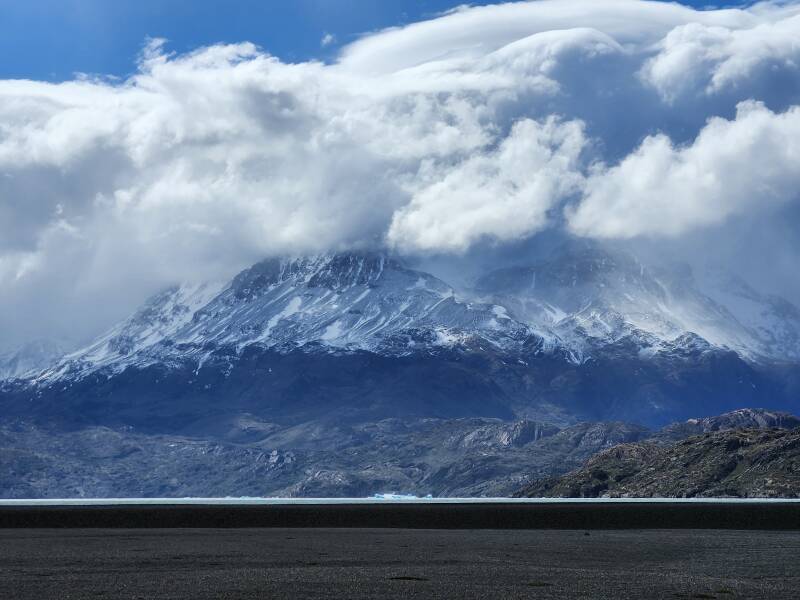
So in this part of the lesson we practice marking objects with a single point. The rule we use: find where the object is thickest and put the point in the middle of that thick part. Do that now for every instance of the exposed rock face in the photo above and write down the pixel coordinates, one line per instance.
(742, 463)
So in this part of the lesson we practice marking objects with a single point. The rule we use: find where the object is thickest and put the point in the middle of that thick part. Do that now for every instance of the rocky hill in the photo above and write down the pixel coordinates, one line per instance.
(745, 418)
(722, 462)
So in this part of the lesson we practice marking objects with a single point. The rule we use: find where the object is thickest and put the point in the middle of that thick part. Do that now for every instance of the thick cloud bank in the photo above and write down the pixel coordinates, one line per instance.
(605, 118)
(746, 164)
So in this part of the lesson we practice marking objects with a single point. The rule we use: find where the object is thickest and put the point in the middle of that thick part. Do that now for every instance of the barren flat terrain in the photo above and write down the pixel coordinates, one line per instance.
(396, 563)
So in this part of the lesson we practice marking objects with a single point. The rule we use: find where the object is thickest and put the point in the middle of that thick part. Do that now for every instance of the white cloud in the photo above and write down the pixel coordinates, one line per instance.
(474, 32)
(733, 167)
(327, 39)
(476, 125)
(504, 193)
(696, 57)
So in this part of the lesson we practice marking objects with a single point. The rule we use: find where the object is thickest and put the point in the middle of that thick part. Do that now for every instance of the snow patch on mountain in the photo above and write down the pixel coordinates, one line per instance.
(162, 317)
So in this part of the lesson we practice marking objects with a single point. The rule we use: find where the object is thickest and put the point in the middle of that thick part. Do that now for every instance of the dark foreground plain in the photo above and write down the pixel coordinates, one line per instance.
(276, 563)
(497, 513)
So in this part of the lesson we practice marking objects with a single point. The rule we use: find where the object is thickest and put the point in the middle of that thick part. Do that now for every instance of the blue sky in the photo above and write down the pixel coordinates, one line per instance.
(53, 39)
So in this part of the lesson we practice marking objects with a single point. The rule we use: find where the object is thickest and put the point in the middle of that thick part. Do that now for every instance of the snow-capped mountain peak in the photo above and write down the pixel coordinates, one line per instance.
(591, 298)
(339, 302)
(582, 301)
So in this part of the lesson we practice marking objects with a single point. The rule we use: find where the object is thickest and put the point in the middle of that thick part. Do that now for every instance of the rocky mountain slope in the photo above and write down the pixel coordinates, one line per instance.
(745, 418)
(343, 302)
(582, 302)
(745, 454)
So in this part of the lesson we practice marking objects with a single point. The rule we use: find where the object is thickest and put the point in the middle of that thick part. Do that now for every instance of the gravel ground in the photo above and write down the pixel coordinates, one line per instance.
(396, 563)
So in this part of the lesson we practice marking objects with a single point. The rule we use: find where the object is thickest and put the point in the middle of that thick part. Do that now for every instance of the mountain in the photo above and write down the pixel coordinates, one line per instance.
(345, 302)
(773, 322)
(742, 454)
(583, 302)
(585, 335)
(596, 301)
(354, 373)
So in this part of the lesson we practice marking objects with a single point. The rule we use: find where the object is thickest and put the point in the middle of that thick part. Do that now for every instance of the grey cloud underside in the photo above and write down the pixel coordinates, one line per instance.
(616, 120)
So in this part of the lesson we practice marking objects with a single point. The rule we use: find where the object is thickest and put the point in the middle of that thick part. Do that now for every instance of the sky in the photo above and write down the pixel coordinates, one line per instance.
(52, 40)
(147, 143)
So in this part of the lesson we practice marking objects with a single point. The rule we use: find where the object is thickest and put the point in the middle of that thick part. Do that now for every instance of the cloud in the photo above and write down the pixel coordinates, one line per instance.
(503, 194)
(696, 57)
(474, 32)
(748, 164)
(484, 124)
(327, 39)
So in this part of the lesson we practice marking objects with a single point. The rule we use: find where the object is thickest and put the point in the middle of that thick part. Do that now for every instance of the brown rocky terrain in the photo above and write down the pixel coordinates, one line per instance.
(741, 463)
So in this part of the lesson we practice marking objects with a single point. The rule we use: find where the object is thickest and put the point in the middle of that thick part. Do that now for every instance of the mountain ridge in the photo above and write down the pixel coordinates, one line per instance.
(361, 336)
(587, 300)
(353, 301)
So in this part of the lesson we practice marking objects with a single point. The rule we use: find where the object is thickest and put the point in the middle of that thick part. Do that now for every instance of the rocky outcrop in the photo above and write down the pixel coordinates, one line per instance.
(740, 463)
(745, 418)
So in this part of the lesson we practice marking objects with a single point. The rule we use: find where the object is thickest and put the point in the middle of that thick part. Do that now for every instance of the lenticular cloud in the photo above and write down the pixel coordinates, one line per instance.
(614, 119)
